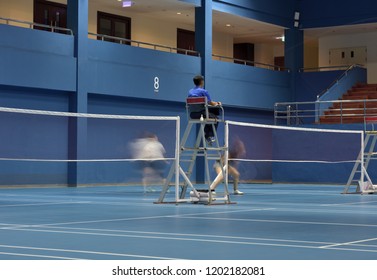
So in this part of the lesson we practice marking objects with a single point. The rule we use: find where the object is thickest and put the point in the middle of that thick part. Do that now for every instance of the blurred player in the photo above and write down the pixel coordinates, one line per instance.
(151, 153)
(236, 151)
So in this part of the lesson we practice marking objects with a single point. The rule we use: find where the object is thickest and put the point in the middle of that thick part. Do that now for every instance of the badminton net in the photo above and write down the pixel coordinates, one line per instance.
(282, 154)
(42, 147)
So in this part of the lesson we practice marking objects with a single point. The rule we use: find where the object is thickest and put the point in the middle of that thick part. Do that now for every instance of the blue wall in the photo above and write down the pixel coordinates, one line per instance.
(38, 59)
(272, 11)
(310, 84)
(50, 136)
(249, 87)
(122, 70)
(37, 71)
(323, 13)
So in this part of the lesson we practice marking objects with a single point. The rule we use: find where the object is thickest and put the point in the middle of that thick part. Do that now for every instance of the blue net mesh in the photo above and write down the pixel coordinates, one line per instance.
(42, 148)
(276, 154)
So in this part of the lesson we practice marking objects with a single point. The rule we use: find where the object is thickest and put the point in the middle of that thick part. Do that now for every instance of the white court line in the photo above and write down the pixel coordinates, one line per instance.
(43, 204)
(154, 217)
(184, 239)
(132, 219)
(188, 234)
(37, 256)
(348, 243)
(138, 236)
(281, 221)
(162, 238)
(349, 203)
(310, 208)
(86, 252)
(363, 245)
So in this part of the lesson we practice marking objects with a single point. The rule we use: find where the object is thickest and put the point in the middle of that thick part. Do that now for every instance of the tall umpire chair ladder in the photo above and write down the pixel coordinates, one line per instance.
(360, 170)
(188, 157)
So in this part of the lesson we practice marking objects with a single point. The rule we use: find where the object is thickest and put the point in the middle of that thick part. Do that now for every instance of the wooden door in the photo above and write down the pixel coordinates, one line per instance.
(280, 62)
(242, 52)
(50, 13)
(185, 41)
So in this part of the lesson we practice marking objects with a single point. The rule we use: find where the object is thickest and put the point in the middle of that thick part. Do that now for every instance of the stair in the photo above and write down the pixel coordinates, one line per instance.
(353, 112)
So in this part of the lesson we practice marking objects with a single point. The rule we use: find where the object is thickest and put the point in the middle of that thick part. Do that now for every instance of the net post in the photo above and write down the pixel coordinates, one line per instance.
(177, 158)
(226, 140)
(362, 159)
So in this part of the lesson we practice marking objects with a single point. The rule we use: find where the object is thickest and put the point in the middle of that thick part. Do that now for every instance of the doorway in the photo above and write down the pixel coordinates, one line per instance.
(114, 25)
(186, 41)
(50, 13)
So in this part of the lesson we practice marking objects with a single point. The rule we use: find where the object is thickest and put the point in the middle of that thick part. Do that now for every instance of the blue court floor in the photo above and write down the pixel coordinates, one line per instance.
(268, 222)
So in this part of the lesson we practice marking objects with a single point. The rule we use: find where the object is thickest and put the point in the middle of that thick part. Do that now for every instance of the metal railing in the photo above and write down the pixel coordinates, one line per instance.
(342, 111)
(33, 25)
(134, 43)
(325, 68)
(249, 63)
(336, 81)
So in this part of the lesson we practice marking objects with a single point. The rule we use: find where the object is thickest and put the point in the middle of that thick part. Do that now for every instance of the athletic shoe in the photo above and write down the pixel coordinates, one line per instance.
(149, 190)
(210, 140)
(238, 192)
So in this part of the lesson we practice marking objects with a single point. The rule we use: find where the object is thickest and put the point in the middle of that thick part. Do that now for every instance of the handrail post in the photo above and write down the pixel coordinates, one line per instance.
(365, 108)
(289, 115)
(341, 112)
(365, 128)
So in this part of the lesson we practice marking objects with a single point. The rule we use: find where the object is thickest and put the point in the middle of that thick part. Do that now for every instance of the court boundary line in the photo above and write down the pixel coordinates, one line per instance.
(153, 217)
(85, 252)
(38, 256)
(190, 234)
(348, 243)
(195, 240)
(350, 203)
(281, 221)
(44, 204)
(167, 238)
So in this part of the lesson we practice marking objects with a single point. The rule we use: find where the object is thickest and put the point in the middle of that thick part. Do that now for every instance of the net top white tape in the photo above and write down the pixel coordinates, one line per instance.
(87, 160)
(85, 115)
(294, 128)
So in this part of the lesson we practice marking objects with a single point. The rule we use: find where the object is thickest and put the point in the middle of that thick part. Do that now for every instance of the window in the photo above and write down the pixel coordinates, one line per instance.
(113, 25)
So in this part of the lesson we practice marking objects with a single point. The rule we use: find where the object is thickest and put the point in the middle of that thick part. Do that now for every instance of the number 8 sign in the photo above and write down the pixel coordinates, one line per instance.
(156, 84)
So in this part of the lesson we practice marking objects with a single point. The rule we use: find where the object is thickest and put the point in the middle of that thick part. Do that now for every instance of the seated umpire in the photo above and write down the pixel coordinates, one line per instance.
(199, 91)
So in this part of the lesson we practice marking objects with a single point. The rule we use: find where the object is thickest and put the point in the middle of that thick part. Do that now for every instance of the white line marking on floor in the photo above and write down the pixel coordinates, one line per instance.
(188, 234)
(152, 217)
(178, 239)
(280, 221)
(86, 252)
(161, 238)
(348, 243)
(43, 204)
(38, 256)
(349, 203)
